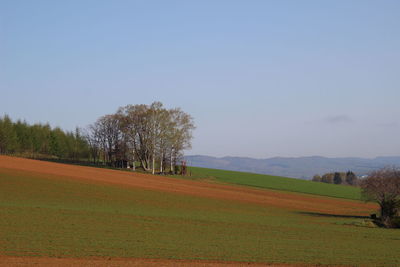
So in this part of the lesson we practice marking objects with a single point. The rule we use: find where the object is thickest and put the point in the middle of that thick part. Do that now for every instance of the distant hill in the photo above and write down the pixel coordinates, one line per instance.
(301, 167)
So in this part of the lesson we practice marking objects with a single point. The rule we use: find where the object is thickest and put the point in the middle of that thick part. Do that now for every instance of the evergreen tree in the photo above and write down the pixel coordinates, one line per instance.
(351, 178)
(337, 178)
(8, 136)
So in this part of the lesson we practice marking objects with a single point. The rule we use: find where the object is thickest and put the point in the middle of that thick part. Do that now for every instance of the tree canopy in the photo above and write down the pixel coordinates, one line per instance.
(345, 178)
(40, 140)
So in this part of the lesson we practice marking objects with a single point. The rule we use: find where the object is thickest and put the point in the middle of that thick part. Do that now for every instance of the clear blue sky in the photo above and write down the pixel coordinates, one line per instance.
(261, 78)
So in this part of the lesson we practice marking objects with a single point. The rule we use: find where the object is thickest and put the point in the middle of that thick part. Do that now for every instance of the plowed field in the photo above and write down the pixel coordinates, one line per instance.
(65, 215)
(202, 189)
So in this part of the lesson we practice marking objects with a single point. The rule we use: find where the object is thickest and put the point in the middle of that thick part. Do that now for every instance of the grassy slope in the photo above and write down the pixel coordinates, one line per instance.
(276, 182)
(54, 217)
(261, 181)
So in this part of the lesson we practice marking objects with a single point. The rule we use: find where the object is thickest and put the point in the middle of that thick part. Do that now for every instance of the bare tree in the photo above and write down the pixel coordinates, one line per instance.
(156, 130)
(165, 126)
(327, 178)
(316, 178)
(93, 138)
(155, 134)
(108, 127)
(383, 187)
(180, 135)
(136, 125)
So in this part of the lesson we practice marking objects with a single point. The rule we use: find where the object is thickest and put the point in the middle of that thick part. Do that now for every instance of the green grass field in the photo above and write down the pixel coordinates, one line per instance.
(42, 216)
(274, 182)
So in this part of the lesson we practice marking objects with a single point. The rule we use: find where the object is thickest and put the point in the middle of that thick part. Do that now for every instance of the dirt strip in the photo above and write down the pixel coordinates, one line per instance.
(287, 200)
(111, 262)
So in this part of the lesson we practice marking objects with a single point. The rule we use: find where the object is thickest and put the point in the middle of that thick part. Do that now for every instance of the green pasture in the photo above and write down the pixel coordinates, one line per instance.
(42, 216)
(274, 182)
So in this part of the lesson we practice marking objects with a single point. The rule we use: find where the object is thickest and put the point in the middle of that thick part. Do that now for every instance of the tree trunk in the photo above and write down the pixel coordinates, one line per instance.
(161, 164)
(133, 159)
(171, 163)
(154, 161)
(144, 165)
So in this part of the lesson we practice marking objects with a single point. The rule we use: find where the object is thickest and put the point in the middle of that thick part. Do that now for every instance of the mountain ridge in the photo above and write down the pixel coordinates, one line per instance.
(295, 167)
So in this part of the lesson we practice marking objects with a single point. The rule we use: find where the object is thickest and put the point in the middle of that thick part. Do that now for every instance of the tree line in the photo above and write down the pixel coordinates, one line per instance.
(346, 178)
(40, 140)
(150, 137)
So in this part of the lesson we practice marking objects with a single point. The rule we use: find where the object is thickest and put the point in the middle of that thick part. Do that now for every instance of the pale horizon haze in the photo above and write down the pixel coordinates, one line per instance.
(260, 78)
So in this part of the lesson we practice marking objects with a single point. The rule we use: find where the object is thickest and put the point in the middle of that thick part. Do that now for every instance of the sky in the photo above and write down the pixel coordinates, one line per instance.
(260, 78)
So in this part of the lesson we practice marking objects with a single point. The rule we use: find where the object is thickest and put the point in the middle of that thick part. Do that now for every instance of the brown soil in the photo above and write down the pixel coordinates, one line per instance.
(287, 200)
(290, 201)
(111, 262)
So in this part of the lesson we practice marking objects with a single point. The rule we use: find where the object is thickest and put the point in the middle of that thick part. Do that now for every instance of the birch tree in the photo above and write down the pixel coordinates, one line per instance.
(156, 134)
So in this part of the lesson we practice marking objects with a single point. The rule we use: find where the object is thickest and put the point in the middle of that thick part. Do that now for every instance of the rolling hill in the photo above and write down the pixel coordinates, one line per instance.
(67, 213)
(301, 167)
(274, 182)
